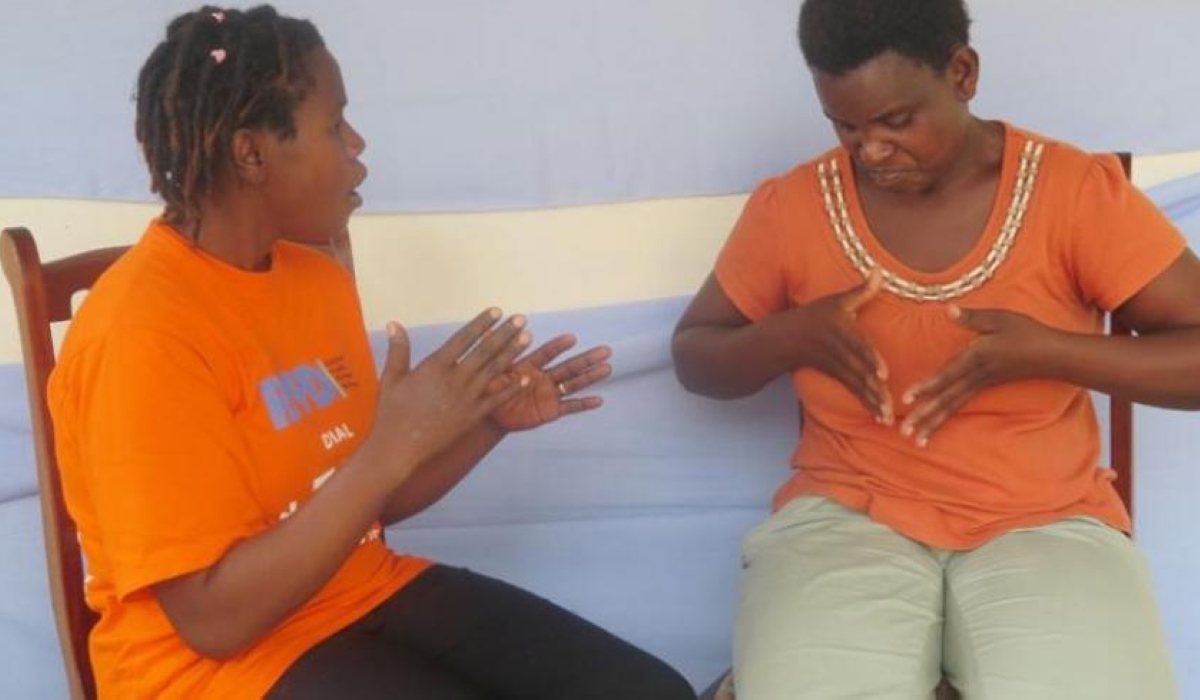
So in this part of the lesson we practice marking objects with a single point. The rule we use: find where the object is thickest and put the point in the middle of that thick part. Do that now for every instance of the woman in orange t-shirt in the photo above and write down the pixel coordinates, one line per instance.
(936, 289)
(228, 453)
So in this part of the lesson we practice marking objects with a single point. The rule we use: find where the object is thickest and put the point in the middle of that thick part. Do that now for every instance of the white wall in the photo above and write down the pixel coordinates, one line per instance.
(426, 268)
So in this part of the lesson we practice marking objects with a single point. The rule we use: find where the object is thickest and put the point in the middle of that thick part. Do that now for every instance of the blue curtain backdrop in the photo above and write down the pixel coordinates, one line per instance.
(487, 104)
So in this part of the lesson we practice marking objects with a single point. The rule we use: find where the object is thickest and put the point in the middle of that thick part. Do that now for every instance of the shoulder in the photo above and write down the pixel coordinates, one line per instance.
(799, 189)
(1068, 165)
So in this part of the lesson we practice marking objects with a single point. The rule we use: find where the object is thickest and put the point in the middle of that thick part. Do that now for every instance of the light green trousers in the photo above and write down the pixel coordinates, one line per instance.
(834, 605)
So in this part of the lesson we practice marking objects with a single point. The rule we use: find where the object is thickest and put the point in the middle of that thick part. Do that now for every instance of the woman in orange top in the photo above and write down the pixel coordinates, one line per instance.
(226, 449)
(936, 288)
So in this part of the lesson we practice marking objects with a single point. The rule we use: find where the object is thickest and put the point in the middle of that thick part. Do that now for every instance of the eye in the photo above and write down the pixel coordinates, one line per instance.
(898, 121)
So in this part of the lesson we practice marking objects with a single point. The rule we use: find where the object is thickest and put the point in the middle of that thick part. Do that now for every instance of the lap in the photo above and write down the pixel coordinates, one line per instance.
(505, 642)
(835, 605)
(1064, 610)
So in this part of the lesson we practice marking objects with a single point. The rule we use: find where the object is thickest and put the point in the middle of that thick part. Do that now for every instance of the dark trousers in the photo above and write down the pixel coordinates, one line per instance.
(452, 633)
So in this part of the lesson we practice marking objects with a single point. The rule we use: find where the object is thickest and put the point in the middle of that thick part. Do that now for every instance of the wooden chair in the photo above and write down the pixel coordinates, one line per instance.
(1120, 450)
(43, 294)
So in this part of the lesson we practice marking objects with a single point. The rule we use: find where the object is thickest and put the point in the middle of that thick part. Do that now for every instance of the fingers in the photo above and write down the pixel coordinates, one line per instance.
(863, 371)
(579, 381)
(466, 337)
(497, 349)
(554, 347)
(938, 397)
(854, 299)
(928, 416)
(579, 364)
(585, 403)
(399, 352)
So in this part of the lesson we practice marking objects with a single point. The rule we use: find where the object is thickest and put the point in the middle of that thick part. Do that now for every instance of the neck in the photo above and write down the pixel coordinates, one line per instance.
(976, 152)
(235, 235)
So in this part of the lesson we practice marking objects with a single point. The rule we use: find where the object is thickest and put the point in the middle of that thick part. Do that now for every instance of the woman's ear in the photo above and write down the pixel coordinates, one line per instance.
(246, 151)
(963, 72)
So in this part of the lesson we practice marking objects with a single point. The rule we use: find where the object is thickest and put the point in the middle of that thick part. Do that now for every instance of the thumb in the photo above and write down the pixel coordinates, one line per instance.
(855, 298)
(399, 352)
(978, 320)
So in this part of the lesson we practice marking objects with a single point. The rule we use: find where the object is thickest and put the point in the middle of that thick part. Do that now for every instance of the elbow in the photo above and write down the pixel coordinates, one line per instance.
(694, 373)
(214, 641)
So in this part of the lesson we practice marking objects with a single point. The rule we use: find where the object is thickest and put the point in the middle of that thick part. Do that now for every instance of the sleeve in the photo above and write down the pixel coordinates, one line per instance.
(167, 470)
(1120, 241)
(750, 266)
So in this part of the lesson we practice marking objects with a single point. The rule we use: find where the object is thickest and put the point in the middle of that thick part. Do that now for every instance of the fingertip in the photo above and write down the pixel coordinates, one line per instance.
(524, 382)
(955, 311)
(494, 312)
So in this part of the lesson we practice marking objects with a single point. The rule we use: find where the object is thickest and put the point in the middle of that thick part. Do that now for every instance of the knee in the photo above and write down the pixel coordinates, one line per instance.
(651, 680)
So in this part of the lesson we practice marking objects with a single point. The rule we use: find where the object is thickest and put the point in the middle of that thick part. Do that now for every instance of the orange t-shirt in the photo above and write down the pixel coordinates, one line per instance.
(1015, 455)
(196, 405)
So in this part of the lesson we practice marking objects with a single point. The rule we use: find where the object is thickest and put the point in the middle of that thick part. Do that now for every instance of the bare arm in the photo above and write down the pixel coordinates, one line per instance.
(223, 609)
(1161, 365)
(258, 582)
(720, 353)
(435, 477)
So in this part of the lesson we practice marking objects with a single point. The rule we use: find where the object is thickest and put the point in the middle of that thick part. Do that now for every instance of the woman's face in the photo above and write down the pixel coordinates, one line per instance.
(902, 122)
(311, 187)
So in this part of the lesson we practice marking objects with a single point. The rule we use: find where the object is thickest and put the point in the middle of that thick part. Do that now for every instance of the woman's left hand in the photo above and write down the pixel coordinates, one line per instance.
(1010, 346)
(551, 391)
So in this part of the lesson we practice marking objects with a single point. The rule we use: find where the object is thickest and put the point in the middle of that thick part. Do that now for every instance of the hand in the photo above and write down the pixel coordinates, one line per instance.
(832, 344)
(423, 410)
(1008, 348)
(545, 399)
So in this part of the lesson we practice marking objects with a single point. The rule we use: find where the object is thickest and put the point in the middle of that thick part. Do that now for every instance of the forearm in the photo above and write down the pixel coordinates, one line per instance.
(1159, 369)
(434, 478)
(731, 362)
(261, 580)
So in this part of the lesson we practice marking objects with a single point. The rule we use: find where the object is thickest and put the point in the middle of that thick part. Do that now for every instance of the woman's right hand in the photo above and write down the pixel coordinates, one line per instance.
(422, 410)
(827, 340)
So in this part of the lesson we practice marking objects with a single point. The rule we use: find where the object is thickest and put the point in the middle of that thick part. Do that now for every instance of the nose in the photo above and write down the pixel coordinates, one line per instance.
(355, 142)
(874, 151)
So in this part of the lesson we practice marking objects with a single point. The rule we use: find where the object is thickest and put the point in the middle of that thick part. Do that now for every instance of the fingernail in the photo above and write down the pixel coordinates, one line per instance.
(518, 321)
(954, 311)
(906, 429)
(907, 398)
(922, 441)
(494, 312)
(524, 380)
(523, 338)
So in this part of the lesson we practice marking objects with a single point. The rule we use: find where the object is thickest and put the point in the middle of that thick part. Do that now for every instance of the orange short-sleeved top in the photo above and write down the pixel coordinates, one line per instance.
(1015, 455)
(196, 405)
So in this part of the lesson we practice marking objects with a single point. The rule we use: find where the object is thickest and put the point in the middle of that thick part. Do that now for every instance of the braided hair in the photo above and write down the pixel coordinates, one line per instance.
(217, 71)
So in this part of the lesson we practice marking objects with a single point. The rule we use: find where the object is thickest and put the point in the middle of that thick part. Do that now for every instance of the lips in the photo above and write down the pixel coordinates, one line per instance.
(354, 195)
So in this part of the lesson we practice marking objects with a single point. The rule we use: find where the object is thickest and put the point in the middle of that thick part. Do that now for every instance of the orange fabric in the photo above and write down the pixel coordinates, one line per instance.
(196, 405)
(1016, 455)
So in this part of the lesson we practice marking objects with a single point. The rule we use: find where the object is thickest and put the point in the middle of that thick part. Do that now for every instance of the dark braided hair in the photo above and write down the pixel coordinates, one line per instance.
(838, 36)
(216, 72)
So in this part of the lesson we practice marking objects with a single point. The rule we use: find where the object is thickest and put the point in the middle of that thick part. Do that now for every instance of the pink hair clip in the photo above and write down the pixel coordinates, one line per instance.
(218, 17)
(218, 56)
